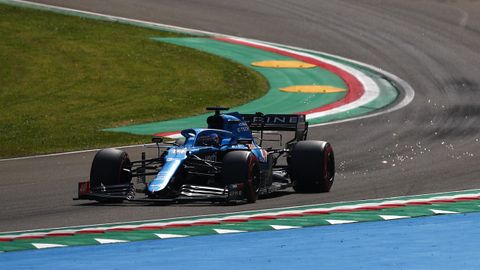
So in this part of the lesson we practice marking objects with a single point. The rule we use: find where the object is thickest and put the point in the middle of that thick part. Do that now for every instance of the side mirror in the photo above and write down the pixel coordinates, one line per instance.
(179, 141)
(157, 139)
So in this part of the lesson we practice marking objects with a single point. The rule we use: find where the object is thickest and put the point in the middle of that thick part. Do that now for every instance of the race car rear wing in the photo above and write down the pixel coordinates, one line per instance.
(278, 122)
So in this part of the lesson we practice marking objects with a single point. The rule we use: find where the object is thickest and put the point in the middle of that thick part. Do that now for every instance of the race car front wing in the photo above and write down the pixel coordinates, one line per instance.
(188, 193)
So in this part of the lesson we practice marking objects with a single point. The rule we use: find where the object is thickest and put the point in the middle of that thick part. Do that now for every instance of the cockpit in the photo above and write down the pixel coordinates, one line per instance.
(212, 139)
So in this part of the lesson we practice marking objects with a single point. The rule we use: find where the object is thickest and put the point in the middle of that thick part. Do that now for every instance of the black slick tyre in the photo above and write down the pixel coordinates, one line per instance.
(110, 173)
(242, 167)
(312, 166)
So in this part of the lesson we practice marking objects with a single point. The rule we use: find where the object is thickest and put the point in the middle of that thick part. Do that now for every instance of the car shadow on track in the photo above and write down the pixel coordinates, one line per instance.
(270, 196)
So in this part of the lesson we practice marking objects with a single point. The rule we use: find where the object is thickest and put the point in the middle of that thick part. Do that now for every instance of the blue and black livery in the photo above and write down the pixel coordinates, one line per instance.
(223, 162)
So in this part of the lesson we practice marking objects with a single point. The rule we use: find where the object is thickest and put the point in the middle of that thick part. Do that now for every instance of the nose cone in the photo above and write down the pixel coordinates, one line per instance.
(165, 175)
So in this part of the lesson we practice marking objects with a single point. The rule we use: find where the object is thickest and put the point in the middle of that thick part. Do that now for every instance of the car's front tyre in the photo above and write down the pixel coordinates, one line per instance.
(110, 174)
(242, 167)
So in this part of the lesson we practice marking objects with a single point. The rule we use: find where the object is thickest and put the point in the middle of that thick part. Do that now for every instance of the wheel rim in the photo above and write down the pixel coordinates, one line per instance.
(329, 165)
(253, 185)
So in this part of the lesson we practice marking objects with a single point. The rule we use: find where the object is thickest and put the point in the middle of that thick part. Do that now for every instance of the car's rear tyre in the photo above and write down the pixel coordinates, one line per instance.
(312, 166)
(242, 167)
(110, 174)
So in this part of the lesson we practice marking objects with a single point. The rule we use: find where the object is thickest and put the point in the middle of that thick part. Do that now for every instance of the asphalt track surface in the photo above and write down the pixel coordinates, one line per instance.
(430, 146)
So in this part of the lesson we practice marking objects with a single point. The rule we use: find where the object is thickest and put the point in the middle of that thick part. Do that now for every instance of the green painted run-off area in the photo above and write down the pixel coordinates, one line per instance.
(275, 101)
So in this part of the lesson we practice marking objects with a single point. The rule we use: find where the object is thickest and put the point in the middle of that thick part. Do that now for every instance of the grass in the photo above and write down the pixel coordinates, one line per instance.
(64, 78)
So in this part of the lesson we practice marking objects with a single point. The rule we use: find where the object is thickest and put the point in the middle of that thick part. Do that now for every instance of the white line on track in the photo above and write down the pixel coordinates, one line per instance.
(409, 93)
(69, 153)
(408, 97)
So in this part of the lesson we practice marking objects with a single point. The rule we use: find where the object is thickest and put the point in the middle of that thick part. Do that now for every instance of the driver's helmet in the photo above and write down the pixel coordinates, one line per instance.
(209, 140)
(216, 139)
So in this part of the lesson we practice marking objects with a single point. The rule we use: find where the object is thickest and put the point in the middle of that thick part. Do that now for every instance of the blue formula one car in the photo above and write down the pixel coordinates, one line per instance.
(224, 162)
